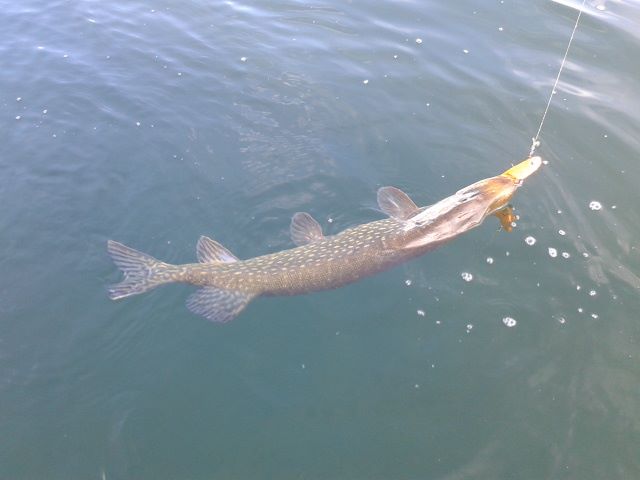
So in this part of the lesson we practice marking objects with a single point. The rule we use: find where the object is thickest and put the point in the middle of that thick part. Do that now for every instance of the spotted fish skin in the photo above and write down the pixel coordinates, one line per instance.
(324, 264)
(321, 262)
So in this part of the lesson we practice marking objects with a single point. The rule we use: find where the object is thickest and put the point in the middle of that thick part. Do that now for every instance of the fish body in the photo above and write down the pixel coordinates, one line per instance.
(323, 262)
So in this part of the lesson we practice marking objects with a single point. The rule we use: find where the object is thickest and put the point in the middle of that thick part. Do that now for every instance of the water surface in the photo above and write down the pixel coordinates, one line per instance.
(155, 123)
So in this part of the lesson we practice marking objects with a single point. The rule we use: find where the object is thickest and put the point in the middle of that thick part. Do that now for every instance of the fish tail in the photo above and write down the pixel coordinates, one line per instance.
(142, 272)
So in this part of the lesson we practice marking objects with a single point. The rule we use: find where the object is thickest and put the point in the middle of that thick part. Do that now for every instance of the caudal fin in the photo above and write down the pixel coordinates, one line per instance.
(142, 272)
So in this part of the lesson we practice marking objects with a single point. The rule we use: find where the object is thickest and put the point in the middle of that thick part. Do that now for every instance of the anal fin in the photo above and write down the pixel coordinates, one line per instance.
(218, 305)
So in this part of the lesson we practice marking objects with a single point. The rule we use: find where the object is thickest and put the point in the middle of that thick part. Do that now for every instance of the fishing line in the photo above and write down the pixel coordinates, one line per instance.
(535, 141)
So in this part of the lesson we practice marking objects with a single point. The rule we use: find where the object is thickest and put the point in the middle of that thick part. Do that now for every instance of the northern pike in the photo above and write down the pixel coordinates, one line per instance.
(322, 262)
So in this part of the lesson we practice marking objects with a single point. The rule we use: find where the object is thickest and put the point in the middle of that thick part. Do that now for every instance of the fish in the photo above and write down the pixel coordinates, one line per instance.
(321, 262)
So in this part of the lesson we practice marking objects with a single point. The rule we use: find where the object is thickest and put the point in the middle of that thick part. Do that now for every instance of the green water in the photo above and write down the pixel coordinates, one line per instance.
(154, 123)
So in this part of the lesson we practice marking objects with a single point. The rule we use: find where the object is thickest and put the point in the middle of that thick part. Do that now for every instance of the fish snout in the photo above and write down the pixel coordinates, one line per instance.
(524, 169)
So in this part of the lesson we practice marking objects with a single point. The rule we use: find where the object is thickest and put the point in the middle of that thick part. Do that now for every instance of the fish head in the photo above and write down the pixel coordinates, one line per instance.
(469, 206)
(497, 191)
(502, 187)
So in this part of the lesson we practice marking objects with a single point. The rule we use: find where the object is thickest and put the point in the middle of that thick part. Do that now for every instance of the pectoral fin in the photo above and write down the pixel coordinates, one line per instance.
(506, 217)
(304, 229)
(210, 251)
(395, 203)
(218, 305)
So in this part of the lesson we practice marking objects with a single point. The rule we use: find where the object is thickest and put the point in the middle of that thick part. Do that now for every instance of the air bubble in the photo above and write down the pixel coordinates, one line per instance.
(509, 322)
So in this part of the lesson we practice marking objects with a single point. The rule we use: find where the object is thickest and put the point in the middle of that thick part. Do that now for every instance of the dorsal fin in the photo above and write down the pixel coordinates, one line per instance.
(395, 203)
(210, 251)
(304, 229)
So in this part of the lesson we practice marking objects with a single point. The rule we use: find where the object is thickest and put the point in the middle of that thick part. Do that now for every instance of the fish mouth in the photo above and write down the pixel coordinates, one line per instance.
(524, 169)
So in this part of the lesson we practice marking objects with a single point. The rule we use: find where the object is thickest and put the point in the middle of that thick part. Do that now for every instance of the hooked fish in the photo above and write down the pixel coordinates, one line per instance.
(322, 262)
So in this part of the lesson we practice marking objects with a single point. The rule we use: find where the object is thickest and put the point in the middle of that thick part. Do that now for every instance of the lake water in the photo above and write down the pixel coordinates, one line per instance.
(153, 123)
